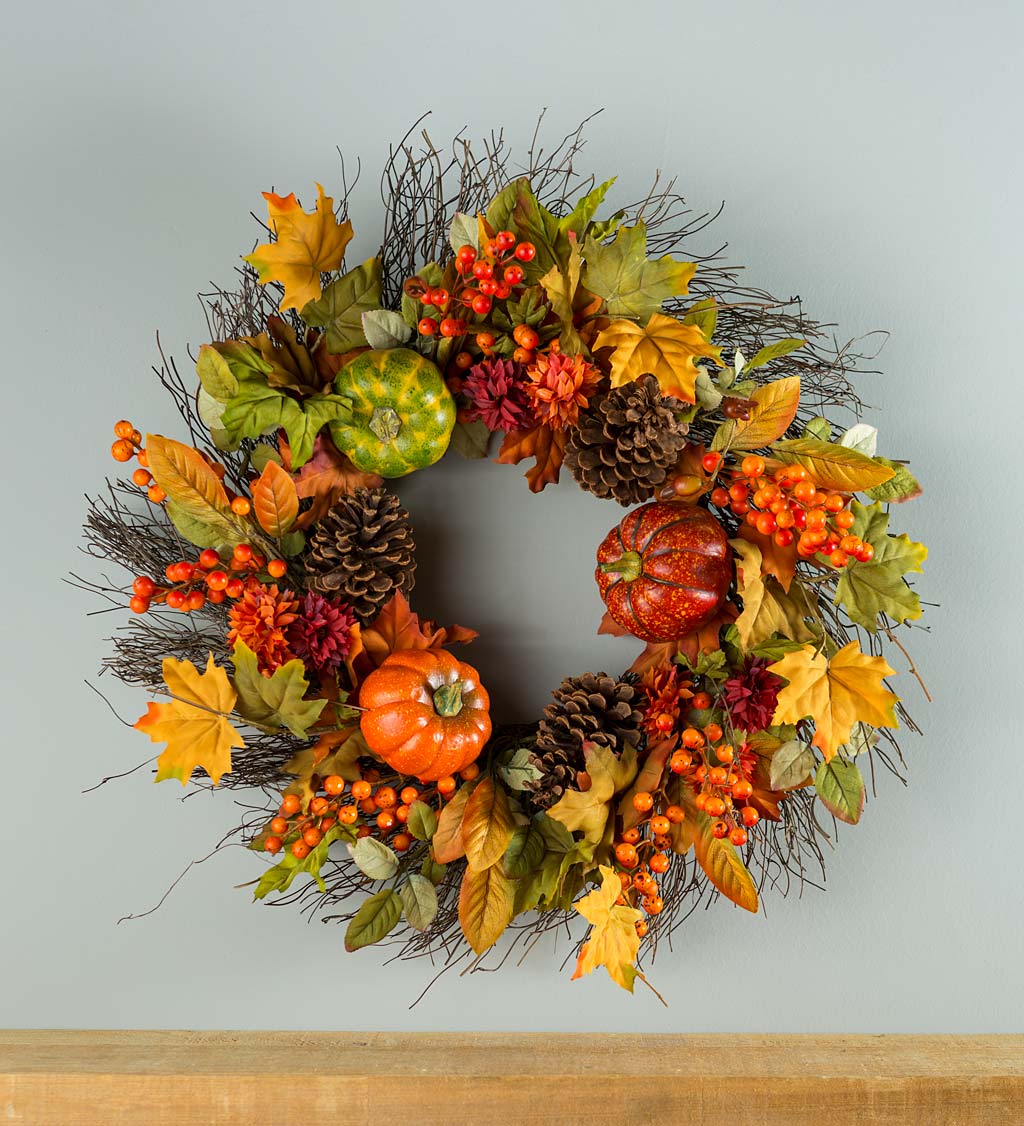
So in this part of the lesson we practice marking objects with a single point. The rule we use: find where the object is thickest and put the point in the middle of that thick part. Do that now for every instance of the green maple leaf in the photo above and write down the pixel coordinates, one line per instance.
(276, 701)
(632, 284)
(866, 590)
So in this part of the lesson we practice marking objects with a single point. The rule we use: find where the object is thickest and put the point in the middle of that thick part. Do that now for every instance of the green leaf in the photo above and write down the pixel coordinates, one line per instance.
(862, 738)
(339, 310)
(866, 590)
(465, 231)
(632, 284)
(422, 821)
(262, 453)
(373, 858)
(841, 788)
(375, 919)
(704, 314)
(584, 210)
(385, 329)
(525, 852)
(709, 397)
(433, 871)
(518, 769)
(471, 439)
(419, 901)
(775, 648)
(274, 701)
(215, 375)
(557, 837)
(293, 544)
(900, 487)
(792, 765)
(534, 223)
(259, 409)
(861, 437)
(833, 466)
(499, 210)
(317, 411)
(215, 533)
(539, 886)
(819, 428)
(774, 352)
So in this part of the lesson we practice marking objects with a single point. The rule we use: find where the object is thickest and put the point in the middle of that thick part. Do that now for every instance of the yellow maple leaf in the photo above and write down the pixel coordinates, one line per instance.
(664, 347)
(767, 608)
(836, 693)
(193, 724)
(588, 811)
(307, 244)
(613, 941)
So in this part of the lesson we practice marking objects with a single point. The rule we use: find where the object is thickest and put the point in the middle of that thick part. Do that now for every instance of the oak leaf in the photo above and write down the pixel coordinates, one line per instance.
(566, 297)
(613, 941)
(277, 700)
(307, 244)
(547, 446)
(194, 724)
(767, 608)
(664, 347)
(836, 693)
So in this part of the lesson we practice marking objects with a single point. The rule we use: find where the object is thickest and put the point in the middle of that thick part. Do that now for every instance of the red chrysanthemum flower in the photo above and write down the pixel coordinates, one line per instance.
(261, 618)
(752, 695)
(496, 390)
(665, 689)
(321, 636)
(560, 387)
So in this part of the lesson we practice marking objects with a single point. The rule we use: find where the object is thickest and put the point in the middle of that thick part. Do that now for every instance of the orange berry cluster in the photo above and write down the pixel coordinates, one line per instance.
(368, 806)
(190, 586)
(128, 444)
(790, 508)
(643, 853)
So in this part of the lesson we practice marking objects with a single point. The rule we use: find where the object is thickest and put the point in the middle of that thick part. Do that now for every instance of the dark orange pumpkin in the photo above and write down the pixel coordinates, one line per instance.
(665, 570)
(427, 714)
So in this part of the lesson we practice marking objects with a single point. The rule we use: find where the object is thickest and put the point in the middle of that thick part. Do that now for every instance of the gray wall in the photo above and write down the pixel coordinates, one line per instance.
(870, 156)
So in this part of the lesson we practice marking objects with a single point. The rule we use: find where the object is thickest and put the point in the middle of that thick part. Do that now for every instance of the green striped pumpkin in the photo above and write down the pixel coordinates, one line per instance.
(402, 412)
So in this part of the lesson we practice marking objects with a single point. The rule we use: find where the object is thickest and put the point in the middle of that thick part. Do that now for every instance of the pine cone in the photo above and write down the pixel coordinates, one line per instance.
(627, 446)
(362, 552)
(594, 707)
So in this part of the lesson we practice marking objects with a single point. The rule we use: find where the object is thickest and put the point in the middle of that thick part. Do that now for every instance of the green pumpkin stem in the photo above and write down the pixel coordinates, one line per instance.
(448, 699)
(385, 423)
(629, 565)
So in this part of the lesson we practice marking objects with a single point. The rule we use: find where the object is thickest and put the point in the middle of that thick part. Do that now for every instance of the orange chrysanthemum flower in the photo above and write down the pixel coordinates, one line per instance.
(666, 689)
(260, 618)
(560, 387)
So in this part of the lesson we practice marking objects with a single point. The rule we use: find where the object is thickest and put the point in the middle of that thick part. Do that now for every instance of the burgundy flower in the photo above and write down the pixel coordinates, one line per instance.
(496, 390)
(321, 635)
(752, 695)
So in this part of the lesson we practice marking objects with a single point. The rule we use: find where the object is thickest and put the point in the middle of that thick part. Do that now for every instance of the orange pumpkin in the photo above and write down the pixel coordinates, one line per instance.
(426, 715)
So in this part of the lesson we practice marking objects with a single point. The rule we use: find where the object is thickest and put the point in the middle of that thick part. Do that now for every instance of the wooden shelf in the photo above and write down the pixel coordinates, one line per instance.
(83, 1078)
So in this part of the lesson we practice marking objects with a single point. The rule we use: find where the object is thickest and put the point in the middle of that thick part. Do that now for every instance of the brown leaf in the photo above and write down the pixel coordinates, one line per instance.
(486, 899)
(447, 844)
(657, 654)
(293, 366)
(649, 779)
(611, 627)
(326, 478)
(487, 825)
(399, 627)
(547, 446)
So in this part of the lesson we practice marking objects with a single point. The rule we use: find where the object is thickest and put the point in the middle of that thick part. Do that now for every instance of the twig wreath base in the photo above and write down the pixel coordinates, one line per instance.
(271, 569)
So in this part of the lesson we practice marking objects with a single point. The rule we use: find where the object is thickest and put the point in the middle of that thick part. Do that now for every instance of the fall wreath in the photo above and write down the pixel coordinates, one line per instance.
(270, 567)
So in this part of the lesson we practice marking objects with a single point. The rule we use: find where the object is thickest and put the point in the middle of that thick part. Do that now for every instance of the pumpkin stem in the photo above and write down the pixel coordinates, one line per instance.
(385, 423)
(448, 699)
(629, 565)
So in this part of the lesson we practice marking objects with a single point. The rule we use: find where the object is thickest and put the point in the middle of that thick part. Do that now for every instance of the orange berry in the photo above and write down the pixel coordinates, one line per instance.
(123, 429)
(368, 806)
(196, 600)
(290, 804)
(742, 790)
(240, 506)
(472, 771)
(659, 862)
(156, 494)
(363, 831)
(680, 761)
(838, 559)
(719, 830)
(625, 854)
(279, 825)
(318, 806)
(713, 732)
(409, 795)
(334, 784)
(625, 882)
(692, 737)
(701, 800)
(724, 753)
(701, 701)
(361, 789)
(272, 844)
(276, 567)
(386, 797)
(312, 837)
(348, 815)
(715, 806)
(401, 814)
(401, 842)
(641, 927)
(142, 478)
(142, 458)
(300, 850)
(845, 519)
(750, 816)
(176, 599)
(137, 604)
(701, 773)
(122, 450)
(738, 836)
(834, 502)
(386, 820)
(446, 785)
(652, 904)
(631, 836)
(717, 775)
(643, 801)
(675, 814)
(804, 491)
(752, 466)
(660, 824)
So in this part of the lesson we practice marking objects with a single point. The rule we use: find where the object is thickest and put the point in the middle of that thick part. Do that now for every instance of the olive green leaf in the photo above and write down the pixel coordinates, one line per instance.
(525, 851)
(866, 590)
(373, 858)
(632, 284)
(339, 310)
(518, 769)
(464, 232)
(471, 439)
(792, 765)
(902, 486)
(422, 821)
(704, 314)
(385, 329)
(375, 919)
(419, 901)
(840, 786)
(280, 877)
(273, 701)
(773, 352)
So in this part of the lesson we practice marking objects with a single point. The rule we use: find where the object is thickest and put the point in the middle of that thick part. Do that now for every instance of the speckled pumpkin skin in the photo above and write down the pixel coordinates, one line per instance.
(687, 569)
(414, 388)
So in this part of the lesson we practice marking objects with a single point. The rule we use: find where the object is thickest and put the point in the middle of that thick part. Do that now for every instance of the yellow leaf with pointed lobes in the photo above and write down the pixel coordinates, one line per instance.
(664, 347)
(613, 941)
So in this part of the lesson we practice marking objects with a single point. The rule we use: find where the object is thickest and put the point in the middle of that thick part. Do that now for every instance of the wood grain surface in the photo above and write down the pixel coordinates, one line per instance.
(83, 1078)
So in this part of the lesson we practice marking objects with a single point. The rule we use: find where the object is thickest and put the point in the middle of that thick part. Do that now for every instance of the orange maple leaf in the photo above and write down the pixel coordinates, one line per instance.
(399, 627)
(547, 446)
(326, 478)
(775, 560)
(307, 244)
